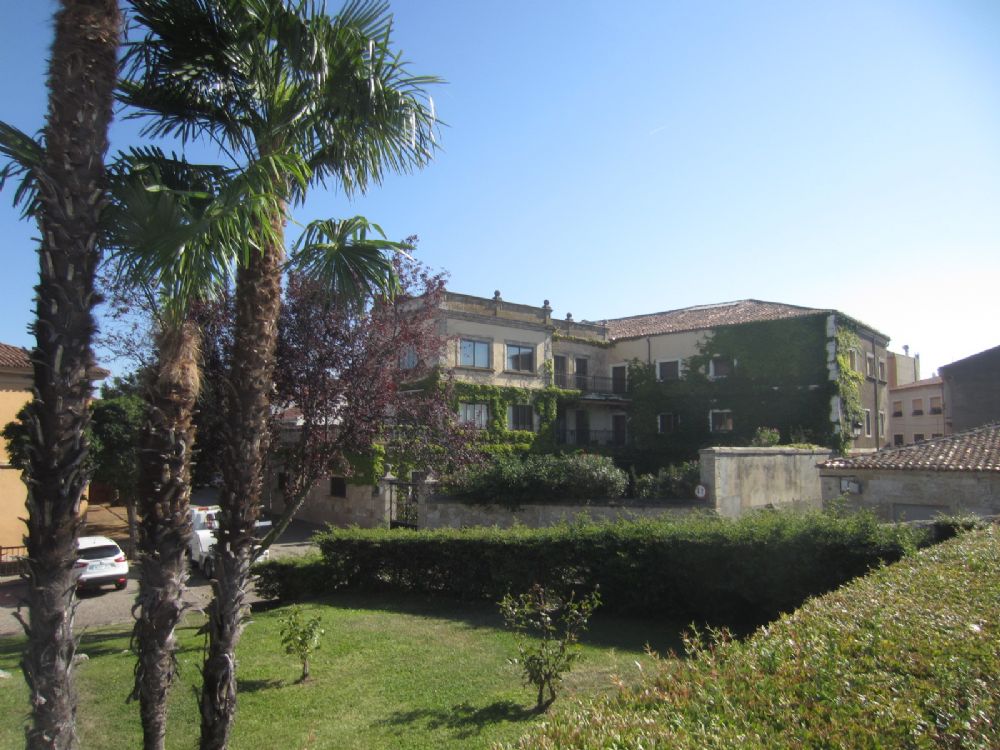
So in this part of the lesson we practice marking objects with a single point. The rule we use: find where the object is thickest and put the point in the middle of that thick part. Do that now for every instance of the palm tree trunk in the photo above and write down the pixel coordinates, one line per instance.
(81, 82)
(258, 301)
(165, 492)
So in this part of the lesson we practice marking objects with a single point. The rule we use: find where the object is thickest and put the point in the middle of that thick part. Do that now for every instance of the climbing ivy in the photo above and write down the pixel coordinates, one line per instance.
(498, 438)
(779, 379)
(849, 382)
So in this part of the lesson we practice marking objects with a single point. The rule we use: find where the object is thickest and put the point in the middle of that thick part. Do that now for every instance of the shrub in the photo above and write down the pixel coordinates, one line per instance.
(903, 658)
(700, 568)
(675, 482)
(300, 637)
(555, 623)
(512, 481)
(765, 437)
(290, 578)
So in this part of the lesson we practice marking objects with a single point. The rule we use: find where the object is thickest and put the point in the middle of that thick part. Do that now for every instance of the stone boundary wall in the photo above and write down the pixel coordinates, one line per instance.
(913, 495)
(739, 480)
(364, 506)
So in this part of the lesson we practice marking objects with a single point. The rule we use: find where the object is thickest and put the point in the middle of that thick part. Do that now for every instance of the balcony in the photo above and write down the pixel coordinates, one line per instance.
(590, 383)
(589, 437)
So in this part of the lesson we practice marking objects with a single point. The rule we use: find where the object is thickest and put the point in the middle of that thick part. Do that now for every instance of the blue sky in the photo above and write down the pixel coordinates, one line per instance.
(655, 155)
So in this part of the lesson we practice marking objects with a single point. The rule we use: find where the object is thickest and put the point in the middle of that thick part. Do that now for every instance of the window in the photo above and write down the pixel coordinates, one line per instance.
(720, 367)
(520, 417)
(338, 487)
(918, 407)
(477, 415)
(619, 379)
(581, 373)
(852, 359)
(918, 437)
(619, 429)
(668, 370)
(870, 365)
(408, 358)
(559, 371)
(897, 408)
(936, 435)
(897, 440)
(868, 422)
(474, 353)
(520, 358)
(666, 423)
(881, 370)
(935, 405)
(720, 420)
(881, 424)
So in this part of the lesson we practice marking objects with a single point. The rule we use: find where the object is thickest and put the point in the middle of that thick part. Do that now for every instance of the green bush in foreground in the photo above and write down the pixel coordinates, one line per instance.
(700, 568)
(554, 623)
(301, 637)
(907, 657)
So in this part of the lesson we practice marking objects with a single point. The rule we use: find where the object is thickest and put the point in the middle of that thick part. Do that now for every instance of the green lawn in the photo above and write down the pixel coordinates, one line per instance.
(393, 672)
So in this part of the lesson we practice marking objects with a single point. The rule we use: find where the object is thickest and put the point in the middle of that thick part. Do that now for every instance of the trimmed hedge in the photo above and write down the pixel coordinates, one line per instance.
(512, 481)
(702, 568)
(904, 658)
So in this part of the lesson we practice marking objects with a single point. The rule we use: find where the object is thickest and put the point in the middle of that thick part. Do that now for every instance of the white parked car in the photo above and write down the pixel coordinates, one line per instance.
(100, 562)
(203, 523)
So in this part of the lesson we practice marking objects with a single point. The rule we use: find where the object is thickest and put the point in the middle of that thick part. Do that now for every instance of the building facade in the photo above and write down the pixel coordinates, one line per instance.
(972, 390)
(669, 383)
(16, 376)
(917, 412)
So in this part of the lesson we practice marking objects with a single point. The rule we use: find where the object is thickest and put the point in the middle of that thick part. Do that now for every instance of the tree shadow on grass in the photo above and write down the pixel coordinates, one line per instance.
(464, 719)
(607, 630)
(254, 686)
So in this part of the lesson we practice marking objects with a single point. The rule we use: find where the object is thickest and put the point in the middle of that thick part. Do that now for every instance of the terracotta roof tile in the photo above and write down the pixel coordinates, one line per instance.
(14, 356)
(973, 450)
(701, 317)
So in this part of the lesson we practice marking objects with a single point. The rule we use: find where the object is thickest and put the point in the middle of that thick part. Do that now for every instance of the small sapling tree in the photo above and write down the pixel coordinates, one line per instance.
(554, 624)
(300, 637)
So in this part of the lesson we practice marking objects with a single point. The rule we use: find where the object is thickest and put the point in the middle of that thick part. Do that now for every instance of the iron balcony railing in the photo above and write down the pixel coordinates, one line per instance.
(589, 437)
(13, 561)
(590, 383)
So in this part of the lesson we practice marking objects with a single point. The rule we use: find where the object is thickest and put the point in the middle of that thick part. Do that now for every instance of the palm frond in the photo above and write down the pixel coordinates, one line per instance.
(263, 77)
(350, 258)
(25, 161)
(181, 227)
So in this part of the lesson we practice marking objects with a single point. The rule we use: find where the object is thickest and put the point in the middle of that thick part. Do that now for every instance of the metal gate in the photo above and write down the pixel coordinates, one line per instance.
(402, 505)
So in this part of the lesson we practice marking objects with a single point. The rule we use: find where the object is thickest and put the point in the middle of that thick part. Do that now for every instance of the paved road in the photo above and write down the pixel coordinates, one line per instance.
(109, 607)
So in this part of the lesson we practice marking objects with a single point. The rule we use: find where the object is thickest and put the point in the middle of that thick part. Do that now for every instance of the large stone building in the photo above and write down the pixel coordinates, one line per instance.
(667, 383)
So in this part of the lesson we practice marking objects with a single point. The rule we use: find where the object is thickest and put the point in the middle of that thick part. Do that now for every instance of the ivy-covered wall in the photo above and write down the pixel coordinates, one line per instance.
(498, 438)
(779, 379)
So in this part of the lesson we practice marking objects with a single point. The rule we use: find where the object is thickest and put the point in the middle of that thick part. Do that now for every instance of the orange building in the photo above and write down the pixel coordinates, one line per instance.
(15, 391)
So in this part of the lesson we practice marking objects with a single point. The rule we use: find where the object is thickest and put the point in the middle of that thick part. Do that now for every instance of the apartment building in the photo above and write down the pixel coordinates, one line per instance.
(710, 373)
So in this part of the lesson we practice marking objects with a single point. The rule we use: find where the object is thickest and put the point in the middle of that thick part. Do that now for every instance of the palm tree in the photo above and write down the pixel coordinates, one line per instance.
(177, 230)
(311, 98)
(69, 178)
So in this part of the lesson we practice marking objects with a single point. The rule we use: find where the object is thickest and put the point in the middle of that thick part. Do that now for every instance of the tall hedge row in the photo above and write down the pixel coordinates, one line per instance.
(702, 568)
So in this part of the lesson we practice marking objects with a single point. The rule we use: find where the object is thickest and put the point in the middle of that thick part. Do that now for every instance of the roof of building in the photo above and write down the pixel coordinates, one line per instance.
(971, 360)
(973, 450)
(14, 357)
(925, 383)
(701, 317)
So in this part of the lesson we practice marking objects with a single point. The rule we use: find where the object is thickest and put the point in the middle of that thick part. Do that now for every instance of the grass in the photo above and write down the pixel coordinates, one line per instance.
(906, 657)
(393, 672)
